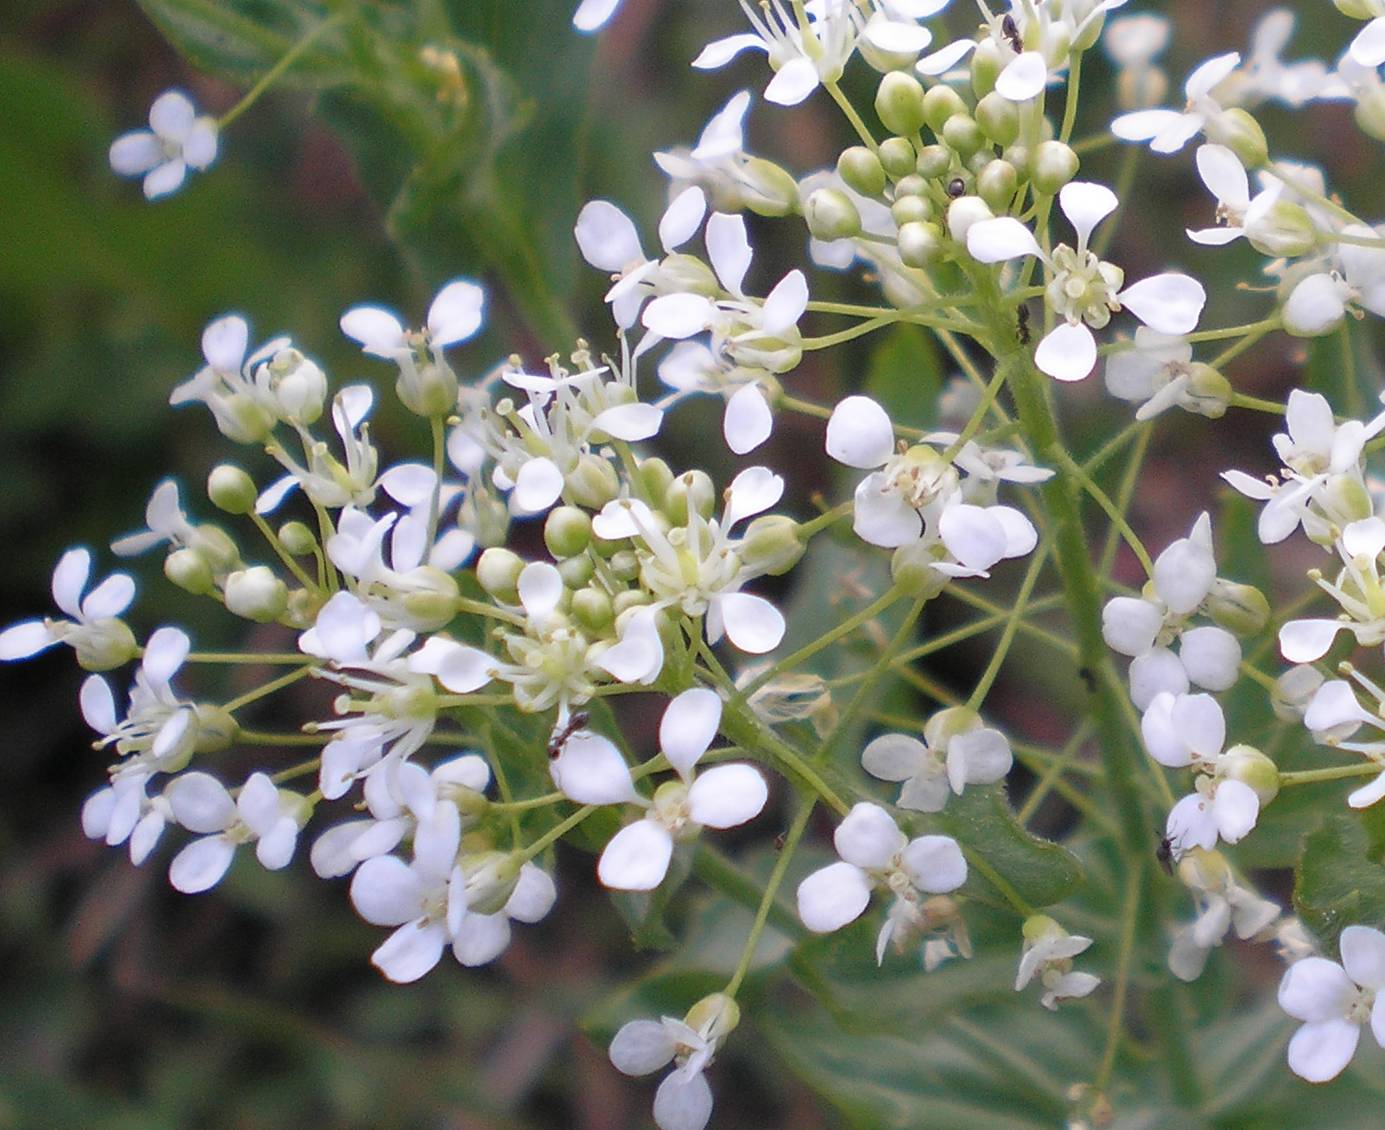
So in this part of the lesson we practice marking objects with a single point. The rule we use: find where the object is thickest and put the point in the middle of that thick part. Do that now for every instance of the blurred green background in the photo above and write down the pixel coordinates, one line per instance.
(125, 1005)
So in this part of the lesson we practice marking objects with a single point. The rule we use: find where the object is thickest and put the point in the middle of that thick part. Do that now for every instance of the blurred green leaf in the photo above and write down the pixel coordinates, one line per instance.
(1340, 881)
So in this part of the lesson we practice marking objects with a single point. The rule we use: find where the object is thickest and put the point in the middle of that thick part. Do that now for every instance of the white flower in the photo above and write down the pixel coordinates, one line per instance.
(1335, 714)
(326, 480)
(1334, 1001)
(93, 629)
(177, 140)
(683, 1100)
(725, 796)
(801, 58)
(1357, 590)
(1265, 75)
(1133, 42)
(263, 814)
(1085, 290)
(718, 163)
(1047, 954)
(1167, 131)
(1222, 905)
(1237, 213)
(876, 854)
(1158, 374)
(957, 750)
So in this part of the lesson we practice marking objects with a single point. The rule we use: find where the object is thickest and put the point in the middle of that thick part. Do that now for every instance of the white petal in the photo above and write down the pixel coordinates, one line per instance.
(134, 154)
(942, 61)
(593, 14)
(752, 623)
(110, 598)
(682, 218)
(637, 857)
(165, 178)
(258, 803)
(1235, 808)
(723, 136)
(1305, 641)
(642, 1047)
(1368, 48)
(1023, 78)
(935, 864)
(386, 892)
(540, 589)
(172, 114)
(410, 484)
(751, 492)
(972, 536)
(868, 837)
(1363, 955)
(676, 316)
(1191, 824)
(1320, 1051)
(785, 304)
(458, 667)
(893, 757)
(796, 79)
(144, 838)
(1183, 575)
(1200, 723)
(688, 726)
(881, 516)
(590, 770)
(69, 579)
(1169, 303)
(201, 865)
(830, 898)
(994, 241)
(200, 802)
(1144, 125)
(728, 248)
(683, 1102)
(534, 895)
(1067, 352)
(275, 849)
(1367, 795)
(1161, 737)
(1086, 204)
(411, 951)
(721, 51)
(726, 796)
(639, 656)
(859, 433)
(538, 486)
(1211, 656)
(98, 704)
(983, 757)
(630, 422)
(1129, 625)
(481, 938)
(19, 641)
(164, 653)
(377, 330)
(456, 312)
(1210, 73)
(200, 145)
(607, 237)
(1315, 989)
(1224, 175)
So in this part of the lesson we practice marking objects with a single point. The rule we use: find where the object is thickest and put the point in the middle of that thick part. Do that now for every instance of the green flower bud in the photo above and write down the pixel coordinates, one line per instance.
(933, 161)
(691, 486)
(104, 645)
(299, 386)
(1240, 133)
(961, 133)
(567, 531)
(593, 482)
(576, 571)
(487, 517)
(715, 1016)
(897, 156)
(831, 215)
(625, 564)
(429, 390)
(911, 569)
(1052, 166)
(432, 603)
(243, 420)
(189, 570)
(1294, 690)
(688, 273)
(996, 184)
(256, 594)
(986, 65)
(1355, 9)
(911, 210)
(630, 598)
(1037, 927)
(231, 489)
(304, 605)
(963, 212)
(1207, 392)
(920, 244)
(912, 185)
(941, 103)
(216, 729)
(862, 171)
(770, 190)
(772, 545)
(1285, 231)
(1345, 496)
(999, 119)
(497, 572)
(899, 103)
(1369, 112)
(1241, 609)
(1203, 870)
(1251, 767)
(593, 611)
(1019, 156)
(297, 539)
(214, 545)
(657, 477)
(490, 880)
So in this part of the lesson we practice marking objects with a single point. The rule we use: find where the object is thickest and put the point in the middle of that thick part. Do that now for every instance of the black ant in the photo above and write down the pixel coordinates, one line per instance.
(1011, 32)
(1022, 325)
(561, 735)
(1168, 854)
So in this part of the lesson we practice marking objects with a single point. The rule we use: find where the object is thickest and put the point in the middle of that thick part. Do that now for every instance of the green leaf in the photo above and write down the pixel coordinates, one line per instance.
(1340, 881)
(904, 374)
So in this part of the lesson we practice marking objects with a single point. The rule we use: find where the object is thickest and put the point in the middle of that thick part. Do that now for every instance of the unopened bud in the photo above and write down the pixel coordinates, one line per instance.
(911, 210)
(1369, 112)
(593, 482)
(630, 598)
(429, 389)
(714, 1017)
(1240, 133)
(963, 212)
(1316, 305)
(104, 645)
(1052, 166)
(497, 572)
(1240, 609)
(487, 517)
(231, 489)
(297, 539)
(299, 385)
(1355, 9)
(656, 475)
(695, 487)
(593, 611)
(1286, 231)
(911, 568)
(243, 420)
(899, 103)
(567, 531)
(576, 571)
(941, 103)
(256, 594)
(431, 602)
(770, 190)
(996, 184)
(986, 65)
(933, 161)
(999, 119)
(962, 134)
(1207, 392)
(920, 244)
(831, 215)
(490, 880)
(947, 724)
(1294, 690)
(1251, 767)
(216, 729)
(771, 545)
(1347, 498)
(897, 156)
(625, 565)
(189, 570)
(215, 546)
(861, 170)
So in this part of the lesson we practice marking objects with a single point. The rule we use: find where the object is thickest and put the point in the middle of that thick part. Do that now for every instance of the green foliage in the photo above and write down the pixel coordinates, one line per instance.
(1340, 880)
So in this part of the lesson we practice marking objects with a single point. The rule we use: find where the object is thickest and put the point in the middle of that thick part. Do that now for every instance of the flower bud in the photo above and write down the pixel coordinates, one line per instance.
(630, 598)
(427, 388)
(256, 594)
(1369, 112)
(831, 215)
(1355, 9)
(1037, 927)
(304, 605)
(947, 724)
(962, 134)
(490, 880)
(1294, 690)
(1316, 305)
(1285, 231)
(996, 184)
(684, 272)
(497, 572)
(1240, 133)
(576, 571)
(1052, 166)
(933, 161)
(215, 547)
(1347, 499)
(656, 475)
(861, 170)
(189, 570)
(1241, 609)
(715, 1016)
(103, 645)
(899, 103)
(911, 210)
(769, 190)
(216, 729)
(919, 243)
(1251, 767)
(625, 565)
(691, 486)
(999, 119)
(299, 386)
(963, 212)
(986, 65)
(897, 156)
(1203, 870)
(593, 611)
(1207, 392)
(297, 539)
(941, 103)
(231, 489)
(771, 545)
(593, 482)
(567, 531)
(431, 602)
(912, 185)
(243, 420)
(486, 517)
(911, 568)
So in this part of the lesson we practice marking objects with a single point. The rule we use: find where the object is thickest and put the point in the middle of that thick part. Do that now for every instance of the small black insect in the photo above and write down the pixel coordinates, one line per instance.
(1022, 325)
(561, 735)
(1168, 854)
(955, 187)
(1011, 33)
(1088, 677)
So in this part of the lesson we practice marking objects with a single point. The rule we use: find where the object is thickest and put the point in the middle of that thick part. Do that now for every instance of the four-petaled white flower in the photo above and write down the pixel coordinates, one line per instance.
(1047, 954)
(1335, 714)
(1223, 905)
(957, 750)
(262, 814)
(94, 630)
(1334, 1001)
(177, 140)
(1167, 131)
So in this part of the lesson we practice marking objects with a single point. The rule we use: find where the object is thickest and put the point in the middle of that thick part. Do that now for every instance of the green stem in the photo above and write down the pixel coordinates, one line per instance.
(1113, 511)
(1336, 773)
(1012, 623)
(268, 689)
(283, 554)
(271, 76)
(862, 131)
(826, 341)
(435, 426)
(1129, 918)
(557, 832)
